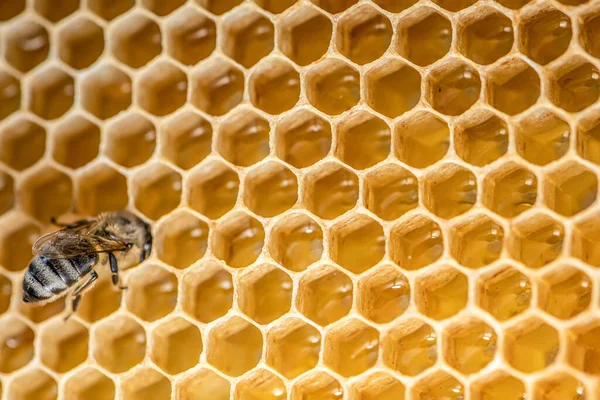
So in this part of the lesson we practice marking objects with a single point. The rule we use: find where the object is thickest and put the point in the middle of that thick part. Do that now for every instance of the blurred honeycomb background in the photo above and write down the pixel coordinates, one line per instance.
(351, 199)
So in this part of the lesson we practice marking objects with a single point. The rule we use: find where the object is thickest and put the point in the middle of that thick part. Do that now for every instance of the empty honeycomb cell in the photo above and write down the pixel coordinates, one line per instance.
(16, 344)
(330, 191)
(152, 292)
(333, 86)
(89, 383)
(564, 291)
(76, 141)
(5, 293)
(536, 240)
(110, 9)
(162, 88)
(157, 190)
(10, 94)
(497, 386)
(556, 386)
(162, 8)
(243, 138)
(383, 294)
(476, 240)
(415, 242)
(219, 7)
(100, 188)
(531, 345)
(324, 295)
(302, 138)
(212, 188)
(586, 234)
(317, 385)
(11, 9)
(238, 239)
(275, 6)
(177, 345)
(510, 189)
(390, 191)
(583, 349)
(351, 347)
(424, 36)
(186, 139)
(248, 36)
(235, 346)
(544, 34)
(513, 86)
(119, 343)
(570, 188)
(64, 345)
(99, 301)
(453, 87)
(7, 192)
(45, 193)
(191, 36)
(203, 384)
(304, 34)
(480, 137)
(542, 137)
(146, 384)
(260, 384)
(357, 243)
(410, 347)
(274, 86)
(293, 347)
(22, 143)
(575, 85)
(393, 88)
(265, 293)
(296, 241)
(135, 40)
(80, 43)
(441, 292)
(55, 12)
(485, 35)
(589, 36)
(33, 384)
(181, 240)
(207, 291)
(51, 93)
(379, 385)
(469, 345)
(106, 91)
(363, 34)
(421, 139)
(438, 385)
(39, 313)
(16, 241)
(450, 190)
(26, 45)
(131, 140)
(503, 292)
(218, 87)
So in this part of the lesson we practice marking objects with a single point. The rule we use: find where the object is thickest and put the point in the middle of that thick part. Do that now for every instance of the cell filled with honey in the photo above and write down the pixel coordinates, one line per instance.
(217, 87)
(441, 292)
(207, 292)
(453, 190)
(191, 36)
(469, 345)
(531, 345)
(270, 189)
(484, 36)
(64, 345)
(238, 239)
(212, 188)
(545, 34)
(536, 239)
(146, 383)
(421, 139)
(152, 292)
(331, 190)
(415, 242)
(574, 84)
(504, 292)
(162, 88)
(510, 189)
(317, 385)
(333, 86)
(81, 43)
(513, 86)
(564, 291)
(410, 347)
(498, 385)
(438, 384)
(383, 294)
(378, 385)
(248, 36)
(424, 36)
(296, 241)
(274, 86)
(243, 138)
(177, 345)
(261, 384)
(182, 240)
(582, 348)
(136, 40)
(453, 88)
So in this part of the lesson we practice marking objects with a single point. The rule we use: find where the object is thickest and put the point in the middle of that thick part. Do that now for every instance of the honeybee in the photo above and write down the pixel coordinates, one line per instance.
(63, 258)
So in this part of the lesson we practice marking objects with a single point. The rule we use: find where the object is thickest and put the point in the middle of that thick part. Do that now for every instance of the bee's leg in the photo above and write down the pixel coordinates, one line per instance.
(114, 269)
(76, 296)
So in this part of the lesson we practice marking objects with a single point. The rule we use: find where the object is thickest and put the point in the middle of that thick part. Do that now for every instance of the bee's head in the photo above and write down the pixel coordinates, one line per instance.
(130, 228)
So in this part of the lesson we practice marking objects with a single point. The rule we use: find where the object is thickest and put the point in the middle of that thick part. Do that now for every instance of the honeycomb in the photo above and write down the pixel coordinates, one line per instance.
(351, 199)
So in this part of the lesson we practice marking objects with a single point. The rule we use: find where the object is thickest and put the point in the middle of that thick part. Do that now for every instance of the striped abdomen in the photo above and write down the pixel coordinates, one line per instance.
(46, 277)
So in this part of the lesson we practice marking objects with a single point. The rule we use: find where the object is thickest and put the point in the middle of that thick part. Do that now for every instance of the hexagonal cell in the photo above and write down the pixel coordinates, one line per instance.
(498, 385)
(476, 240)
(80, 42)
(39, 313)
(162, 88)
(442, 292)
(384, 294)
(542, 137)
(296, 241)
(265, 293)
(485, 35)
(186, 139)
(217, 87)
(333, 86)
(351, 347)
(575, 84)
(275, 6)
(503, 292)
(293, 347)
(513, 4)
(89, 383)
(76, 141)
(304, 34)
(270, 189)
(177, 345)
(513, 86)
(156, 190)
(235, 346)
(146, 383)
(394, 6)
(26, 44)
(218, 7)
(100, 188)
(393, 88)
(480, 137)
(130, 140)
(152, 292)
(363, 34)
(544, 34)
(191, 36)
(357, 243)
(212, 189)
(10, 94)
(317, 385)
(511, 178)
(455, 5)
(238, 239)
(11, 9)
(120, 344)
(469, 345)
(415, 242)
(248, 36)
(564, 291)
(453, 87)
(586, 235)
(135, 40)
(64, 345)
(16, 241)
(260, 384)
(181, 240)
(570, 188)
(589, 37)
(424, 36)
(422, 139)
(390, 191)
(99, 301)
(438, 385)
(557, 386)
(334, 6)
(207, 292)
(33, 384)
(588, 137)
(450, 190)
(22, 143)
(106, 91)
(330, 191)
(531, 345)
(110, 9)
(324, 295)
(243, 138)
(274, 86)
(583, 348)
(5, 293)
(162, 8)
(536, 240)
(203, 384)
(302, 138)
(51, 93)
(378, 385)
(16, 345)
